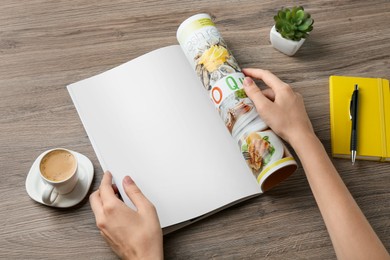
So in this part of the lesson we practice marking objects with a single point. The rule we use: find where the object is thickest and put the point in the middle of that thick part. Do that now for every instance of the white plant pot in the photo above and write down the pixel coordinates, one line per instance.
(286, 46)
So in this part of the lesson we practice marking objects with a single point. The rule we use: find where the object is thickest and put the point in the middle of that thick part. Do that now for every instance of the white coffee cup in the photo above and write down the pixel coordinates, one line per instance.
(58, 170)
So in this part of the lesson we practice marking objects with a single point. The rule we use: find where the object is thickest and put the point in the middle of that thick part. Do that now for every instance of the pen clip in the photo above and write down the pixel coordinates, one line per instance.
(350, 109)
(351, 101)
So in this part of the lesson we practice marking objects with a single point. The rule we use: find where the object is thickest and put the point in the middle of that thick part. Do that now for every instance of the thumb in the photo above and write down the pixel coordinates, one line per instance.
(134, 193)
(254, 93)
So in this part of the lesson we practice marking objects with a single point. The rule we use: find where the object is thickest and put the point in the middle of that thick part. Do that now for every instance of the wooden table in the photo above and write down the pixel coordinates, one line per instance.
(45, 45)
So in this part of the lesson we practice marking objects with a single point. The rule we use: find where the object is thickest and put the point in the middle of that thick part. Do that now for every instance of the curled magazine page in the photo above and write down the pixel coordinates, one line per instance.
(221, 76)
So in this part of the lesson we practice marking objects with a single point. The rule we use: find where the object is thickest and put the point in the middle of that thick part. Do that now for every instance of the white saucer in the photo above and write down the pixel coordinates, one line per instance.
(34, 183)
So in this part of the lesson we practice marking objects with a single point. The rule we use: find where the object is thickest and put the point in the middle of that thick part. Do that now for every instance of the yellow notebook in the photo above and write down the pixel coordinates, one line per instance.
(373, 125)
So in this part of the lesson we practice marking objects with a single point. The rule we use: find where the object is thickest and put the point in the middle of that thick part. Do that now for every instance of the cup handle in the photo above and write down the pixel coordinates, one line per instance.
(47, 194)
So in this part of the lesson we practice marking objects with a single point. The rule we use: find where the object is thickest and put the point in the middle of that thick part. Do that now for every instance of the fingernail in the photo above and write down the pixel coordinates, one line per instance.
(248, 81)
(127, 180)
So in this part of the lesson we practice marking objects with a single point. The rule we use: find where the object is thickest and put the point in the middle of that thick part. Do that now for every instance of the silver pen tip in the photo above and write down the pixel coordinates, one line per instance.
(353, 154)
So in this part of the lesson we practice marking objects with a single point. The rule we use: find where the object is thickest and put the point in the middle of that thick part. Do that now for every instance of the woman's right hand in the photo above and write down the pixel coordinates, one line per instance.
(281, 108)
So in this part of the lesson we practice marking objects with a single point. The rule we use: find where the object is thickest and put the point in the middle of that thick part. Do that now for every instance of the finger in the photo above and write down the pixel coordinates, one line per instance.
(96, 205)
(269, 93)
(255, 94)
(116, 191)
(106, 191)
(135, 194)
(269, 79)
(115, 188)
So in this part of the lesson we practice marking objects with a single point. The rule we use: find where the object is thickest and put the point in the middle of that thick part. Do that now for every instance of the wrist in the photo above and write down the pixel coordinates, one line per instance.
(149, 256)
(301, 140)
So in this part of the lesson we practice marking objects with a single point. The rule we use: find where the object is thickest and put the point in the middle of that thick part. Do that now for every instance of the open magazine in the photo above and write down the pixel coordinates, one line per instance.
(151, 118)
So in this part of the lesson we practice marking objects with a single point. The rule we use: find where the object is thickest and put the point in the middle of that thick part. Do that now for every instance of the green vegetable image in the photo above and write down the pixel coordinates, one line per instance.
(240, 93)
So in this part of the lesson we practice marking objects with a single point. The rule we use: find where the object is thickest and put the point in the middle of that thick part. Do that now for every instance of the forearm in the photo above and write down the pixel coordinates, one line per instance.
(349, 230)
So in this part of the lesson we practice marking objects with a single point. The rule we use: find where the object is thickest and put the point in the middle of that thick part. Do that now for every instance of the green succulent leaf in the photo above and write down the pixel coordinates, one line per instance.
(281, 14)
(288, 15)
(299, 35)
(306, 16)
(299, 15)
(305, 26)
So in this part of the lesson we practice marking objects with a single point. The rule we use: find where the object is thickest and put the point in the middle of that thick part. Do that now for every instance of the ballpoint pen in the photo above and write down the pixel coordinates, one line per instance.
(354, 118)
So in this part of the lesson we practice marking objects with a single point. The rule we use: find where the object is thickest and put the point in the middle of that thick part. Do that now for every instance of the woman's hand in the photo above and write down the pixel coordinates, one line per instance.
(131, 234)
(279, 106)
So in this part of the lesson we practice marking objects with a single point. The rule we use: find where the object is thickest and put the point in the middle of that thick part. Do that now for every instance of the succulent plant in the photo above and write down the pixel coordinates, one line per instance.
(293, 24)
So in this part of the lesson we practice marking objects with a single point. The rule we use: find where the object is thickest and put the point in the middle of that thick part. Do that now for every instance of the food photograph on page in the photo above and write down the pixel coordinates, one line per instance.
(265, 154)
(215, 62)
(237, 110)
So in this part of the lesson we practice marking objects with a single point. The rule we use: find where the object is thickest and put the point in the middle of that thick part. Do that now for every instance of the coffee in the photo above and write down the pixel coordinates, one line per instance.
(58, 165)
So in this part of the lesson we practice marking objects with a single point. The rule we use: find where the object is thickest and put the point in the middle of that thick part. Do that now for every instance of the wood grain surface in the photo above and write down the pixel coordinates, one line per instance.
(46, 45)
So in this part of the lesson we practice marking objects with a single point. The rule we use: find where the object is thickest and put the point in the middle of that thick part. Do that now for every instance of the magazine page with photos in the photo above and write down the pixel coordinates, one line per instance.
(221, 76)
